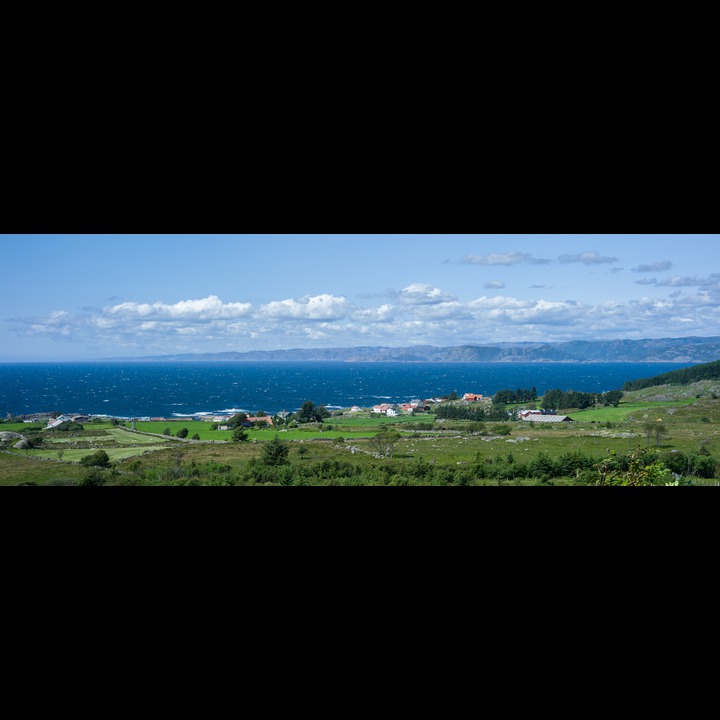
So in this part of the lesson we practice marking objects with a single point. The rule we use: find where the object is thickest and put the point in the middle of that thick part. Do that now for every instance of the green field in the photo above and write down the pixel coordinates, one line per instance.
(625, 410)
(453, 452)
(193, 427)
(77, 455)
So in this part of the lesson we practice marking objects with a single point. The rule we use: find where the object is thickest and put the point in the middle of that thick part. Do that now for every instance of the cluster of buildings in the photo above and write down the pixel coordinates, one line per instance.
(60, 419)
(419, 405)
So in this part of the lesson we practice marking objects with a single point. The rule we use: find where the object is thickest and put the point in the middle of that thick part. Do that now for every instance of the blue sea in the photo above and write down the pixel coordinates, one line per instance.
(127, 390)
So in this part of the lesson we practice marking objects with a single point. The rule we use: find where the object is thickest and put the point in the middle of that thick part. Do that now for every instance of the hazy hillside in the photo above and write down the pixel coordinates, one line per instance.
(682, 350)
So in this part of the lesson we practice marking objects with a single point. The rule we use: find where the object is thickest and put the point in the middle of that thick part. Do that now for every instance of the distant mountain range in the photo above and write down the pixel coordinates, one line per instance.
(680, 350)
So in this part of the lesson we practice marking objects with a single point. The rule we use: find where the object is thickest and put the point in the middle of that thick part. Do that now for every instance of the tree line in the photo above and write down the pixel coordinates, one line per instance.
(521, 395)
(446, 411)
(683, 376)
(557, 399)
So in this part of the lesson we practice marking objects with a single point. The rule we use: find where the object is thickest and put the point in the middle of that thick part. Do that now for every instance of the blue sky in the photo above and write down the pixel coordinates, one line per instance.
(79, 297)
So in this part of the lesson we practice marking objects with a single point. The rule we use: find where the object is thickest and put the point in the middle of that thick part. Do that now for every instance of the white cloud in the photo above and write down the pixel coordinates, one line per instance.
(683, 281)
(203, 309)
(512, 258)
(318, 307)
(443, 310)
(384, 313)
(494, 285)
(659, 266)
(422, 313)
(422, 294)
(587, 258)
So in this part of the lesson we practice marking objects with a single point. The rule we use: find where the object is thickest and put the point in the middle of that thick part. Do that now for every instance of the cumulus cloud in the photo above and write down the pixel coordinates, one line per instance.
(587, 258)
(422, 294)
(659, 266)
(318, 307)
(384, 313)
(419, 313)
(204, 309)
(512, 258)
(712, 280)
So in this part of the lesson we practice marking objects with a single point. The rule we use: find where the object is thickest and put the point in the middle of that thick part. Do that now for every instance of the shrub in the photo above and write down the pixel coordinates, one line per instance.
(182, 433)
(98, 459)
(501, 430)
(195, 437)
(93, 477)
(167, 431)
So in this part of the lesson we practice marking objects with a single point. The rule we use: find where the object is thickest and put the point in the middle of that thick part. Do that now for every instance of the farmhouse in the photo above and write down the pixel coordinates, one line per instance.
(261, 419)
(58, 421)
(472, 397)
(538, 417)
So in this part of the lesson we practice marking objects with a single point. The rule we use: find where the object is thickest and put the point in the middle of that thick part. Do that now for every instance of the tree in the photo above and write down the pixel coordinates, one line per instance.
(260, 413)
(309, 413)
(384, 443)
(453, 396)
(275, 452)
(195, 437)
(237, 419)
(660, 431)
(613, 397)
(182, 433)
(239, 434)
(302, 451)
(167, 431)
(98, 459)
(655, 428)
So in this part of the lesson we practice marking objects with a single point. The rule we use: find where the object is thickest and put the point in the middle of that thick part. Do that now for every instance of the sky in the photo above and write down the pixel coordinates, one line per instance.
(83, 297)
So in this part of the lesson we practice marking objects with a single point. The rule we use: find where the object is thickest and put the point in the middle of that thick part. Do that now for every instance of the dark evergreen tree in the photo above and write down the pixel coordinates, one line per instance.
(275, 452)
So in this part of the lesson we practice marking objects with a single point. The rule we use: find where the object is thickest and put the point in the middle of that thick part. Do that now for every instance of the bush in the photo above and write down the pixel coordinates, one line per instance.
(167, 431)
(501, 430)
(195, 437)
(182, 433)
(93, 478)
(98, 459)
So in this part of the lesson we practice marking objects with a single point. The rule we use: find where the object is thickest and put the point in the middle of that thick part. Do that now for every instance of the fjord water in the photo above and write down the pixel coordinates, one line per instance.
(184, 389)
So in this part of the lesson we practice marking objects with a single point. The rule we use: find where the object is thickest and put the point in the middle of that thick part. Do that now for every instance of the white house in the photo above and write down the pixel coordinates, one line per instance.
(540, 418)
(58, 421)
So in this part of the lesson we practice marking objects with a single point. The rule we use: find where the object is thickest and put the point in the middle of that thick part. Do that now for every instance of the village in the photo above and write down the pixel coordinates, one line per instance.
(53, 420)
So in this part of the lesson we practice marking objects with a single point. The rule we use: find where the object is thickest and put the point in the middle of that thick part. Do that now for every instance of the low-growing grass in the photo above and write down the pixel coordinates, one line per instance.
(17, 470)
(75, 455)
(624, 410)
(194, 427)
